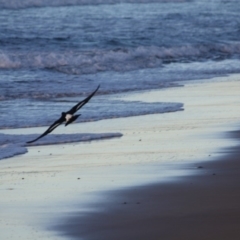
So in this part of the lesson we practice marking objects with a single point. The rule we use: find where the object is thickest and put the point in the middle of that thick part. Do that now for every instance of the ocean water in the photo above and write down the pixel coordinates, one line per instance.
(54, 53)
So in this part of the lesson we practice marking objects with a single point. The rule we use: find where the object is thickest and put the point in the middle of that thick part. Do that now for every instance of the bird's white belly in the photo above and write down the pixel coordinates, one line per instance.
(68, 117)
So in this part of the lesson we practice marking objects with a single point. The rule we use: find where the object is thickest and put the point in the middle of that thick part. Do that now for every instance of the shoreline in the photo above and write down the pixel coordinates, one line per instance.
(204, 205)
(45, 186)
(199, 204)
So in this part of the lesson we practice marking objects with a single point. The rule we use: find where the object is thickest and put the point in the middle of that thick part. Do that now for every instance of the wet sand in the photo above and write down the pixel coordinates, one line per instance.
(203, 206)
(131, 186)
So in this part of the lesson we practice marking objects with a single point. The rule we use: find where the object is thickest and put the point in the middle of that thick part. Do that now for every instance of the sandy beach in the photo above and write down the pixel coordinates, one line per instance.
(170, 176)
(203, 206)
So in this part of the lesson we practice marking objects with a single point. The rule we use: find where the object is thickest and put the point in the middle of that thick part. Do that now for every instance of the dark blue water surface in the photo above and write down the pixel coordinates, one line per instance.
(52, 51)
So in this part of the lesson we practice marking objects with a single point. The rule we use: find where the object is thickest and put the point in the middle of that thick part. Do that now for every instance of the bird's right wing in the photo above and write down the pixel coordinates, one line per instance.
(50, 129)
(83, 102)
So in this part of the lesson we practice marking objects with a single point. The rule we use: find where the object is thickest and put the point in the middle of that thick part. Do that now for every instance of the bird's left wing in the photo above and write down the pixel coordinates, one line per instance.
(83, 102)
(50, 129)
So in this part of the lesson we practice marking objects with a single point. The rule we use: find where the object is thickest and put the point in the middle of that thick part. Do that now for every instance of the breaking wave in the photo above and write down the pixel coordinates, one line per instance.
(120, 59)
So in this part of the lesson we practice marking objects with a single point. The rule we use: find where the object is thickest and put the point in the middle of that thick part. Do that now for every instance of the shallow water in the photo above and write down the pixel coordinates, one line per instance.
(65, 48)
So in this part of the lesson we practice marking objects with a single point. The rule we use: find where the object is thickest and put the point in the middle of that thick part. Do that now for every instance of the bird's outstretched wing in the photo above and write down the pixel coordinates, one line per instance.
(83, 102)
(50, 129)
(62, 118)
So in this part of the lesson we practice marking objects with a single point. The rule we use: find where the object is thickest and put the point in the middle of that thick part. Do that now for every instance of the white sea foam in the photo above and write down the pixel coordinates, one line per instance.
(11, 145)
(122, 59)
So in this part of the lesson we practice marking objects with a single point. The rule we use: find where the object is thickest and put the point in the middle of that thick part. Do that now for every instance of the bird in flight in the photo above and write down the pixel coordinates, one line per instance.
(67, 117)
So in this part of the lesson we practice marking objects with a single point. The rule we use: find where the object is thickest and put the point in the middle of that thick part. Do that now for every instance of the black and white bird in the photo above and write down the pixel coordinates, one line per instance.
(67, 117)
